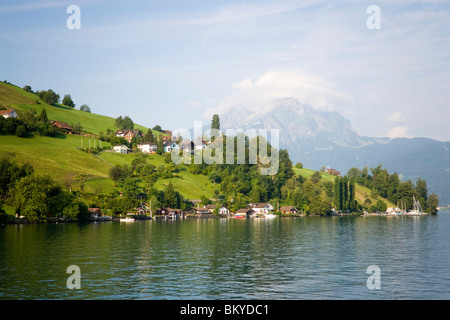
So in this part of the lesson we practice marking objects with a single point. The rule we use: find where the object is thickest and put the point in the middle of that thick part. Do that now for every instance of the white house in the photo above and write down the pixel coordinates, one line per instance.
(261, 208)
(147, 147)
(8, 113)
(199, 144)
(122, 149)
(169, 146)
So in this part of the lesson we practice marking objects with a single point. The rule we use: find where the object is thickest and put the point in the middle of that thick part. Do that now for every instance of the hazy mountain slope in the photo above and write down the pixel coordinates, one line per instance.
(325, 138)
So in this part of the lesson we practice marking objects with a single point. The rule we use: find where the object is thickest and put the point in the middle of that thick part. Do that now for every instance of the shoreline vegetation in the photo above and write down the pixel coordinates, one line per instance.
(52, 172)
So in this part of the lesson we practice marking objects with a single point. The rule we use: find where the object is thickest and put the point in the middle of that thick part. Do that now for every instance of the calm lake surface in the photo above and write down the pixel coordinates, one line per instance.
(282, 258)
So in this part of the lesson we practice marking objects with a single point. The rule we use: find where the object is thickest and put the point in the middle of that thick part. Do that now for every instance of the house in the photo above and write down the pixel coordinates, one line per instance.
(121, 133)
(244, 213)
(8, 113)
(169, 213)
(333, 172)
(261, 208)
(147, 147)
(186, 145)
(132, 134)
(289, 210)
(63, 126)
(198, 211)
(95, 212)
(199, 144)
(222, 209)
(122, 149)
(168, 132)
(169, 146)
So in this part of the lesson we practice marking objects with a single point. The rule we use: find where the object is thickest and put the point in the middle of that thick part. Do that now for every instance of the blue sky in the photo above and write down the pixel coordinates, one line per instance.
(174, 62)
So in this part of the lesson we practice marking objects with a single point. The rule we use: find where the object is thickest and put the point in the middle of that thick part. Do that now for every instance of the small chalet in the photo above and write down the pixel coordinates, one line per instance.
(131, 134)
(222, 209)
(199, 144)
(95, 213)
(8, 113)
(63, 126)
(122, 149)
(243, 213)
(148, 147)
(333, 172)
(169, 212)
(289, 210)
(198, 211)
(169, 146)
(261, 208)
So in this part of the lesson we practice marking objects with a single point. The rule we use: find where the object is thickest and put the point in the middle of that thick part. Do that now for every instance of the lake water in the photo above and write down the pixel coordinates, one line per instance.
(282, 258)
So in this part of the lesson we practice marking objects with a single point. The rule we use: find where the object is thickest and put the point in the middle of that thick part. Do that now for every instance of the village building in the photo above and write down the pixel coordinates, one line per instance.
(62, 126)
(222, 209)
(289, 210)
(122, 149)
(129, 134)
(11, 113)
(147, 147)
(261, 208)
(244, 213)
(169, 146)
(333, 172)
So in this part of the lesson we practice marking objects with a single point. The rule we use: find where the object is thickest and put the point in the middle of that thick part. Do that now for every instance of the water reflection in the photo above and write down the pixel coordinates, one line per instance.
(283, 258)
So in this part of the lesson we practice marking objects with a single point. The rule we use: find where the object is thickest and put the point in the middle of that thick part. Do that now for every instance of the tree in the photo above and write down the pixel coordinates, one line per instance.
(85, 108)
(215, 123)
(432, 203)
(116, 173)
(43, 115)
(299, 165)
(158, 128)
(27, 88)
(30, 197)
(67, 101)
(124, 123)
(316, 177)
(50, 97)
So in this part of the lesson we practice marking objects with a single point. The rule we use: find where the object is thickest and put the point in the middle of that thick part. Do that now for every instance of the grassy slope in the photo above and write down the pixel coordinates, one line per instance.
(362, 193)
(13, 96)
(58, 157)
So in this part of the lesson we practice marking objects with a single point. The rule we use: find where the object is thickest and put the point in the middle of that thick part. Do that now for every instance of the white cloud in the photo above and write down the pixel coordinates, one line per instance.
(398, 132)
(257, 96)
(396, 117)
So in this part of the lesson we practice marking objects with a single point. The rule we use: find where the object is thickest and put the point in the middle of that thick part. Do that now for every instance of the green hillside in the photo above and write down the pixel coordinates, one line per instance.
(361, 193)
(17, 98)
(61, 158)
(68, 160)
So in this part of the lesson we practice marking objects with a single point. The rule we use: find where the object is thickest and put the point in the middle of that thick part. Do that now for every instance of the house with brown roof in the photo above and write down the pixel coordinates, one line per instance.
(11, 113)
(333, 172)
(261, 208)
(244, 213)
(289, 210)
(222, 209)
(62, 126)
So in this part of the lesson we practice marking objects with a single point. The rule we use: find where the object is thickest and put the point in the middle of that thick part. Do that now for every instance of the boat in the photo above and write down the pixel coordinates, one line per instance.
(417, 209)
(127, 219)
(270, 216)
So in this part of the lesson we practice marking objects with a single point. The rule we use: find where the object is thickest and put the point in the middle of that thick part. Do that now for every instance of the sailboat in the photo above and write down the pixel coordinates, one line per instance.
(417, 209)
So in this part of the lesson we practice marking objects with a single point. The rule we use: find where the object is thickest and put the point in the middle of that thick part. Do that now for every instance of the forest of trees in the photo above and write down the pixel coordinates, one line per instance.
(35, 197)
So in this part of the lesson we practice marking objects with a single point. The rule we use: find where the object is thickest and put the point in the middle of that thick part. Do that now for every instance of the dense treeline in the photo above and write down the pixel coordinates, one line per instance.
(26, 124)
(35, 197)
(389, 186)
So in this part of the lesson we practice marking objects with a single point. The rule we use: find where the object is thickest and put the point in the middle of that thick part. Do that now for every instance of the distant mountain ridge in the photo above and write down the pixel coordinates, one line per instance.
(325, 138)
